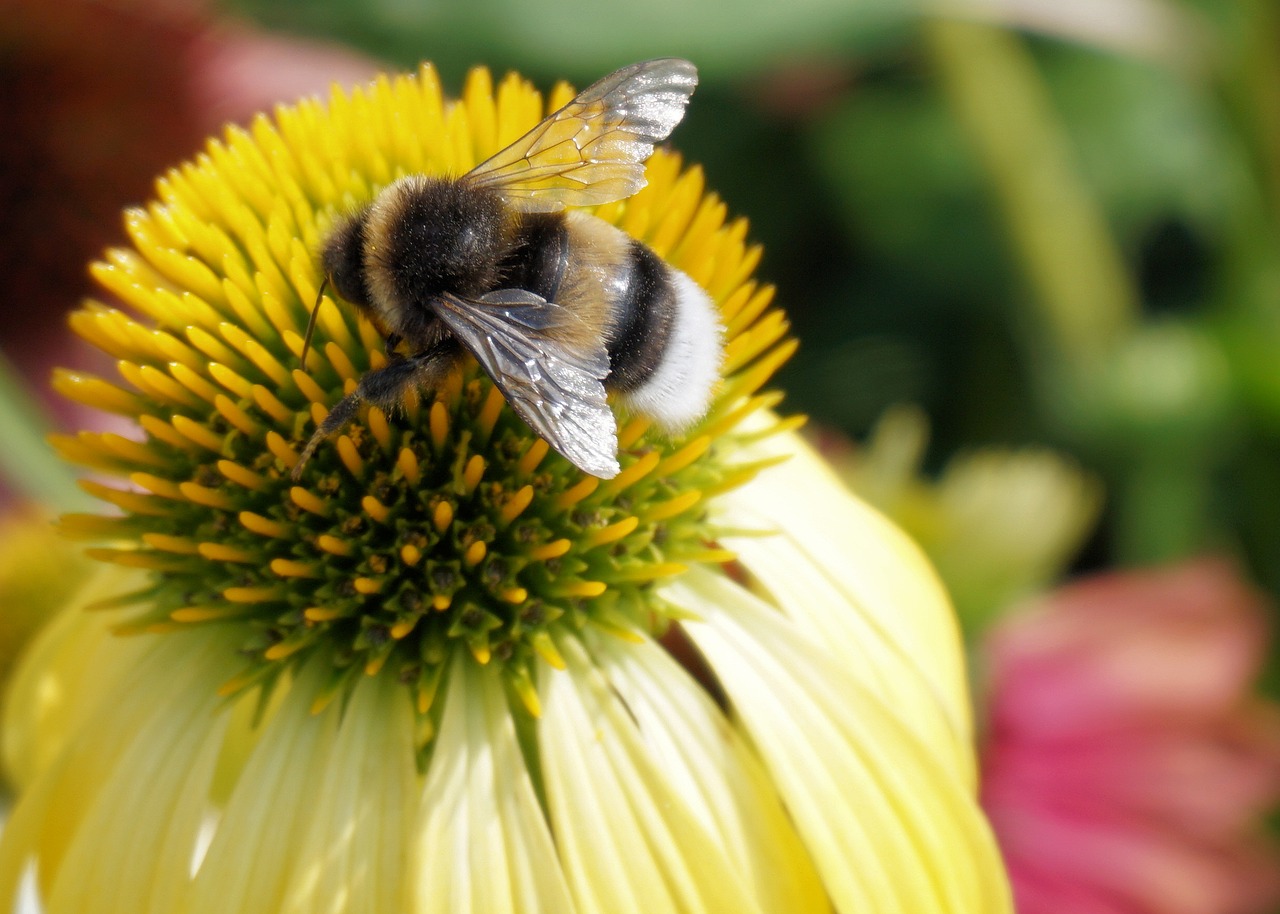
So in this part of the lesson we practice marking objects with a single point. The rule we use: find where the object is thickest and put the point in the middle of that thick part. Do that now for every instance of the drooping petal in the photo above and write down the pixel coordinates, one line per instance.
(482, 842)
(126, 796)
(891, 829)
(869, 595)
(322, 804)
(628, 841)
(355, 854)
(49, 698)
(717, 775)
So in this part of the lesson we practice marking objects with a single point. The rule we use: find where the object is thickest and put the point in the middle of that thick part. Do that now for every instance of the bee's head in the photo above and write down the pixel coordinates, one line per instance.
(343, 260)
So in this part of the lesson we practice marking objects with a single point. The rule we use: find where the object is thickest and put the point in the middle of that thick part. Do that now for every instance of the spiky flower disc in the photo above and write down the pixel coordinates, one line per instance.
(714, 683)
(409, 535)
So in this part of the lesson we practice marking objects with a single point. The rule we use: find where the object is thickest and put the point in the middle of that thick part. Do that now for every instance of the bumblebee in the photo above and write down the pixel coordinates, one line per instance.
(558, 307)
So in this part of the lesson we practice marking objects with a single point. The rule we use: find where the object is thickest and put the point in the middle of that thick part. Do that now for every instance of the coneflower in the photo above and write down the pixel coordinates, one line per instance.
(444, 670)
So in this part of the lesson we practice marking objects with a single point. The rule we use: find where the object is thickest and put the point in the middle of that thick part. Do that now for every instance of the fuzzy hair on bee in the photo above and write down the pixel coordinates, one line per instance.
(559, 308)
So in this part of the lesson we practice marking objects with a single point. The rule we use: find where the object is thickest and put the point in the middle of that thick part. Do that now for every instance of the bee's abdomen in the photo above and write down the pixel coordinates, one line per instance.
(643, 313)
(665, 349)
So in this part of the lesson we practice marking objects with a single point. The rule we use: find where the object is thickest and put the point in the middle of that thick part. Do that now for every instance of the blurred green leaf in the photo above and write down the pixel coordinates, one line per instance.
(580, 39)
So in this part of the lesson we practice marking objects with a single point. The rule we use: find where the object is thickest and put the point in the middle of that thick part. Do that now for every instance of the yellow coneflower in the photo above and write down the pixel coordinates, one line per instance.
(444, 670)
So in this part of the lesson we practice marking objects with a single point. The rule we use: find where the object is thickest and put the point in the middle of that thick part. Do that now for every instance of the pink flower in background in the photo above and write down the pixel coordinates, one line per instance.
(1127, 764)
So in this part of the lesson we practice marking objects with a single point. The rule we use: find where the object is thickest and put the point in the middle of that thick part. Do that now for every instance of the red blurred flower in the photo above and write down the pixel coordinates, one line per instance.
(1127, 765)
(96, 100)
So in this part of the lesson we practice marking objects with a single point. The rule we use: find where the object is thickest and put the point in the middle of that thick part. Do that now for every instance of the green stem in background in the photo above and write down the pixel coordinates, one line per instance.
(27, 463)
(1087, 303)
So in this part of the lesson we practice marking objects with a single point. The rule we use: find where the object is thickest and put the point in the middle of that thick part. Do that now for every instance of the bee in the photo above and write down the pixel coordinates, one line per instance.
(558, 307)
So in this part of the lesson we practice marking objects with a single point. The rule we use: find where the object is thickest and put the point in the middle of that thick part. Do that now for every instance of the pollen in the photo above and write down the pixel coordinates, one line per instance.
(441, 531)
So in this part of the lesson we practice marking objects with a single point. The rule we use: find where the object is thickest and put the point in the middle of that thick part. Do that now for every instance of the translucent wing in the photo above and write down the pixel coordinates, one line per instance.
(593, 149)
(557, 390)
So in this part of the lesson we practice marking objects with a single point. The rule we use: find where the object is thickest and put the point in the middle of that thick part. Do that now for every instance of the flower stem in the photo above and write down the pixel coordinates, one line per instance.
(1086, 302)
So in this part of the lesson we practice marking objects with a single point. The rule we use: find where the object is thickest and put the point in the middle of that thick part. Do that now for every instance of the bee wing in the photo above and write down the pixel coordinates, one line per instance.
(555, 389)
(593, 149)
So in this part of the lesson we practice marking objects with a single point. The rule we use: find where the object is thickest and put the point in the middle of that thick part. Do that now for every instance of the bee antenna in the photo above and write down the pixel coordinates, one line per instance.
(311, 324)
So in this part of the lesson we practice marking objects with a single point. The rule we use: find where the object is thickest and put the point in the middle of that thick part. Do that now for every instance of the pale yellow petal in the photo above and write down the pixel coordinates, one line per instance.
(253, 861)
(64, 673)
(891, 828)
(73, 818)
(353, 857)
(483, 845)
(719, 778)
(869, 594)
(628, 842)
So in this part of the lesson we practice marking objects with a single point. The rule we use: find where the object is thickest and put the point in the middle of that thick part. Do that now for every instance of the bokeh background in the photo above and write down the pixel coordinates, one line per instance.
(1032, 252)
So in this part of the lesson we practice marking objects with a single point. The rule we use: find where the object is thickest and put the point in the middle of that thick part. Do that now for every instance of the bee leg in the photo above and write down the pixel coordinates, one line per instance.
(385, 388)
